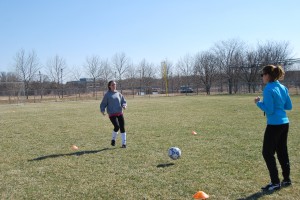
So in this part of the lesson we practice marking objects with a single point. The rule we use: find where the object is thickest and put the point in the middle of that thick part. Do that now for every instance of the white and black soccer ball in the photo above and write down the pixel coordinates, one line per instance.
(174, 153)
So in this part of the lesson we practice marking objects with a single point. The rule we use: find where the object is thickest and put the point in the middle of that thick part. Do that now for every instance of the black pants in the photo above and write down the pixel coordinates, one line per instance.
(275, 141)
(118, 122)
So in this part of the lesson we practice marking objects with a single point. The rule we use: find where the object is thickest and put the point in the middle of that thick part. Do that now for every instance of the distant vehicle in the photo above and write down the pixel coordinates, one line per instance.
(186, 89)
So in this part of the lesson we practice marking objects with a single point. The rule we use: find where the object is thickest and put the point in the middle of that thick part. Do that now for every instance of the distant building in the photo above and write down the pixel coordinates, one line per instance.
(83, 83)
(86, 79)
(292, 76)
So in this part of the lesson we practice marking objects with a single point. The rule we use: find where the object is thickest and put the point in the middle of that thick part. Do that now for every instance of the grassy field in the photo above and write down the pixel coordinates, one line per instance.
(224, 159)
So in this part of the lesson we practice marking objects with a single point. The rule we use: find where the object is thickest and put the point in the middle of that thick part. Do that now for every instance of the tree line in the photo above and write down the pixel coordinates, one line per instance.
(227, 61)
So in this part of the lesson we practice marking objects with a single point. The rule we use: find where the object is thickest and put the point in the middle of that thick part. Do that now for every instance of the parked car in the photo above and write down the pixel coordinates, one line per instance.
(186, 89)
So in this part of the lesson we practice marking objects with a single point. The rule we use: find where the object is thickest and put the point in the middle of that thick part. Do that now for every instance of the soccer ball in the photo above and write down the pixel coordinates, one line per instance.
(174, 153)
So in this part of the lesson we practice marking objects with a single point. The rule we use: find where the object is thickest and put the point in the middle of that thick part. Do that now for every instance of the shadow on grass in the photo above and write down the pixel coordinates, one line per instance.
(257, 195)
(164, 165)
(78, 153)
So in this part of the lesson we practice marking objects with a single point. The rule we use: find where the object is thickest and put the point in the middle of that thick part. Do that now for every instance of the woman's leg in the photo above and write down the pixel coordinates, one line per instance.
(269, 147)
(282, 152)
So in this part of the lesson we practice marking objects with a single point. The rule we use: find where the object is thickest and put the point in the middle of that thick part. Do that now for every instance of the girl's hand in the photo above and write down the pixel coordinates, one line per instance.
(257, 99)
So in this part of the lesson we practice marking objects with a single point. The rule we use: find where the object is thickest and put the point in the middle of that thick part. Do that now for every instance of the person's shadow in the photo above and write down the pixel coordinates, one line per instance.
(78, 153)
(257, 195)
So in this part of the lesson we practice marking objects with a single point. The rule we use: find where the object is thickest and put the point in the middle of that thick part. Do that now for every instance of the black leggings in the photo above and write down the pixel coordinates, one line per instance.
(275, 140)
(118, 122)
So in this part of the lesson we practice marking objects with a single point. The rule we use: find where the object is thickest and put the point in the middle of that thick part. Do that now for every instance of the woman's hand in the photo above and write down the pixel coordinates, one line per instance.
(257, 99)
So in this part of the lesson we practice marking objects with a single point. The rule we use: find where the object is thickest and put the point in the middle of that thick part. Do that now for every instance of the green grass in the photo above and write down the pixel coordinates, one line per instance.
(224, 159)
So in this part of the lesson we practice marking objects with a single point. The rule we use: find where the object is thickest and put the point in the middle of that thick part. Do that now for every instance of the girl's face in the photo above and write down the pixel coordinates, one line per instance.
(266, 78)
(113, 86)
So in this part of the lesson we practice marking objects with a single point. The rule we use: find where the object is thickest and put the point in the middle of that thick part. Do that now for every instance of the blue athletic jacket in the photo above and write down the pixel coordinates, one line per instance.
(276, 100)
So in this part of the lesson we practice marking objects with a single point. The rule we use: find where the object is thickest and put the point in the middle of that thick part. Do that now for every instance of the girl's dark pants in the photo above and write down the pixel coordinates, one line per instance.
(118, 122)
(275, 141)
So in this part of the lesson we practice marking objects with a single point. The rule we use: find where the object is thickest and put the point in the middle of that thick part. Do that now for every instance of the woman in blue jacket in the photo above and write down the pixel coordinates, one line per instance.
(275, 101)
(114, 103)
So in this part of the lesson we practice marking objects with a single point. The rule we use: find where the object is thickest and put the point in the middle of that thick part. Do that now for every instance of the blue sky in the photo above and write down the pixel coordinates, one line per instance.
(150, 29)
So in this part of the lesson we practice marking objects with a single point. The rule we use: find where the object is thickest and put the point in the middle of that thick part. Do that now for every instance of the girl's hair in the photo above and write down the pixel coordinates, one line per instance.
(275, 72)
(109, 84)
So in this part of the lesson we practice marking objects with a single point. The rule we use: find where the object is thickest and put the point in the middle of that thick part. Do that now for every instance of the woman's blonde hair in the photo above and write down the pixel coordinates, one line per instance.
(275, 72)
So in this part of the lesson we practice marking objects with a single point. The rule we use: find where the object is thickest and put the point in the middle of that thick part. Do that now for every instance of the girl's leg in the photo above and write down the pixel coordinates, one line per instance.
(122, 128)
(114, 121)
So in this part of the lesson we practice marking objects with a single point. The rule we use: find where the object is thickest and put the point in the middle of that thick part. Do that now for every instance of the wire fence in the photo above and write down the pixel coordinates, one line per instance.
(18, 94)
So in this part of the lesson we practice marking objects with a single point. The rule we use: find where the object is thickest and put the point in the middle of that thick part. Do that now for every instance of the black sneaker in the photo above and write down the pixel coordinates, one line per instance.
(113, 142)
(271, 187)
(123, 146)
(286, 183)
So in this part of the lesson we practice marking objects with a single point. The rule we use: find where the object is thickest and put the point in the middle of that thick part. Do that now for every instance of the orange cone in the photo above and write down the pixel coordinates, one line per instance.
(194, 133)
(74, 147)
(200, 195)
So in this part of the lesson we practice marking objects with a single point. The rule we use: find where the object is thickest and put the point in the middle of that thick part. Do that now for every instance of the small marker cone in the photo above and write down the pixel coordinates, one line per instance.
(74, 147)
(200, 195)
(194, 133)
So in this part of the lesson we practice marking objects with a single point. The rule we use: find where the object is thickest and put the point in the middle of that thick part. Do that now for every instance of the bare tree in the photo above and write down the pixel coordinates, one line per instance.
(229, 56)
(185, 67)
(272, 52)
(120, 64)
(57, 66)
(250, 69)
(206, 67)
(27, 67)
(94, 69)
(107, 72)
(147, 74)
(266, 53)
(131, 76)
(131, 72)
(42, 83)
(76, 73)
